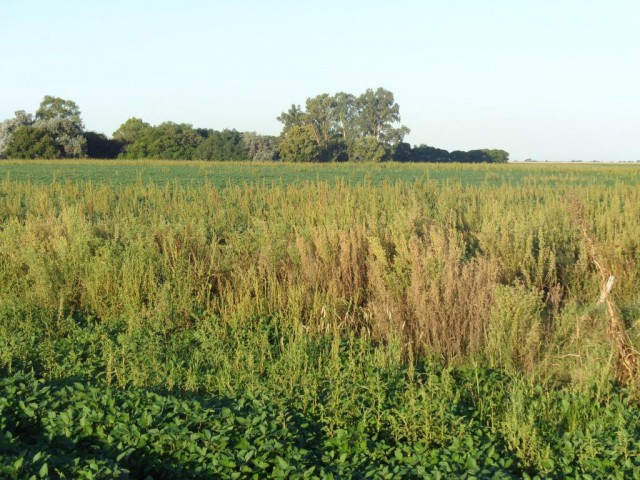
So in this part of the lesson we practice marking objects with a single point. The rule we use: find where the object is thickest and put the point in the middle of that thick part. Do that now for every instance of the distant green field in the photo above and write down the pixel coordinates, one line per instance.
(221, 174)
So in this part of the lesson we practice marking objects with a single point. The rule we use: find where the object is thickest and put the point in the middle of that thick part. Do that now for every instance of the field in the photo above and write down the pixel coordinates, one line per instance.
(238, 173)
(227, 320)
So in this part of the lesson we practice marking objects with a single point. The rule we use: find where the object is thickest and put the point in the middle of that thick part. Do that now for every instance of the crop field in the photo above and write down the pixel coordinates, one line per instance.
(223, 174)
(224, 320)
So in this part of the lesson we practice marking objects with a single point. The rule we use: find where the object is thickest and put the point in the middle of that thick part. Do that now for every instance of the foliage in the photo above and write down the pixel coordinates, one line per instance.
(170, 141)
(424, 153)
(359, 327)
(342, 125)
(130, 131)
(299, 144)
(260, 148)
(99, 146)
(332, 128)
(480, 156)
(220, 174)
(348, 415)
(32, 142)
(346, 127)
(56, 131)
(60, 119)
(8, 128)
(496, 156)
(377, 113)
(366, 149)
(221, 146)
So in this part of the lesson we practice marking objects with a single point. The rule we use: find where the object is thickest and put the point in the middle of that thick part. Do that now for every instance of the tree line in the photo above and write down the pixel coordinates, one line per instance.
(331, 128)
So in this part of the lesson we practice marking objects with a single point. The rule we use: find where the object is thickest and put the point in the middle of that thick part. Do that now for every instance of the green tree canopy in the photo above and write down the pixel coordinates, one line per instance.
(338, 123)
(222, 146)
(8, 128)
(167, 141)
(377, 114)
(57, 122)
(480, 156)
(29, 142)
(299, 144)
(130, 130)
(60, 118)
(260, 147)
(366, 149)
(496, 156)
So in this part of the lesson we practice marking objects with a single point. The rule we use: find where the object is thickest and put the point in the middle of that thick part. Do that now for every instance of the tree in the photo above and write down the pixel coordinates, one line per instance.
(57, 122)
(30, 141)
(9, 126)
(480, 156)
(130, 131)
(321, 115)
(346, 114)
(366, 149)
(260, 147)
(99, 146)
(335, 150)
(377, 111)
(61, 120)
(173, 141)
(299, 144)
(338, 123)
(222, 146)
(294, 117)
(326, 119)
(424, 153)
(402, 152)
(55, 108)
(130, 135)
(496, 156)
(167, 141)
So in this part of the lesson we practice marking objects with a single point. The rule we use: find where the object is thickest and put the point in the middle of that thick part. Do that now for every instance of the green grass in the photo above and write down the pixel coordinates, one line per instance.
(320, 409)
(221, 174)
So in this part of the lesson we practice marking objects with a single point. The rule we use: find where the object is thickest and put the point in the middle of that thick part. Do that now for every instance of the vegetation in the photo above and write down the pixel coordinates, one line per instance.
(56, 131)
(334, 128)
(306, 329)
(222, 174)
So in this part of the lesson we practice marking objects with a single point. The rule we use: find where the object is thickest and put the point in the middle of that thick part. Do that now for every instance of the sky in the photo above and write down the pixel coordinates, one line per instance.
(547, 80)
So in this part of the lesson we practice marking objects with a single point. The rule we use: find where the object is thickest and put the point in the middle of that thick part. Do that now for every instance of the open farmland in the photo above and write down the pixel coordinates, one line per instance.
(203, 320)
(223, 174)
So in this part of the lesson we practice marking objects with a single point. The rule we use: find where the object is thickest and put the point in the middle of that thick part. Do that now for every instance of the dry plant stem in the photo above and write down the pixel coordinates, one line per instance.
(606, 290)
(627, 356)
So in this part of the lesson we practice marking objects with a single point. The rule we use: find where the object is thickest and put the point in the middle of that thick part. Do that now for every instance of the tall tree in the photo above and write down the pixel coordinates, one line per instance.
(321, 115)
(61, 120)
(294, 117)
(346, 114)
(337, 123)
(377, 114)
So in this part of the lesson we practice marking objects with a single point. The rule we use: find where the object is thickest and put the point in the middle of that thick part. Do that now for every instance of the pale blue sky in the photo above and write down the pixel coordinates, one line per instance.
(556, 80)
